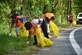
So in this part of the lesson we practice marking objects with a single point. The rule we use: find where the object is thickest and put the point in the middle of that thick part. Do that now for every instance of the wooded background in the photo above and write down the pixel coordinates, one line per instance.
(36, 8)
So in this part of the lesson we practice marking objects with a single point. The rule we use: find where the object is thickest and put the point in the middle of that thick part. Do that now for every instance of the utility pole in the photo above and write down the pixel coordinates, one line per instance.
(69, 7)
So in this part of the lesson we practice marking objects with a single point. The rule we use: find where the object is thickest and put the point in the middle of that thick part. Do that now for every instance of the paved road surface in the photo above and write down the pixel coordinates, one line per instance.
(62, 45)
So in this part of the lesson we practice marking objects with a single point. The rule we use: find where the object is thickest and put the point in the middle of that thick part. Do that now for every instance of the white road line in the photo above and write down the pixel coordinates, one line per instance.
(76, 47)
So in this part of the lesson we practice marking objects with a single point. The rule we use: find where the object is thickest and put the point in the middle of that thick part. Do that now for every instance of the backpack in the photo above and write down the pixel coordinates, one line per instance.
(19, 20)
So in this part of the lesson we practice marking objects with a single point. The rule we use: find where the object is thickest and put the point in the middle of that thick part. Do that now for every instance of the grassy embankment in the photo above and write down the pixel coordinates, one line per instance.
(12, 45)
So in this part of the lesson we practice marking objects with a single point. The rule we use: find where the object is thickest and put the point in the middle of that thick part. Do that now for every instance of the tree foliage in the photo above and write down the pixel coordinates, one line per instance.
(36, 8)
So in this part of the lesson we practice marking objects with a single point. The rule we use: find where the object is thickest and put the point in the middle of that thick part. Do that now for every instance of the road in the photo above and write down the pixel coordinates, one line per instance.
(65, 44)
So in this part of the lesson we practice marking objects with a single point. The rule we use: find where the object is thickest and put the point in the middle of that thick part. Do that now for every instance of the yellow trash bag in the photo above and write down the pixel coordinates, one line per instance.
(74, 23)
(42, 41)
(51, 23)
(23, 32)
(39, 36)
(47, 41)
(54, 29)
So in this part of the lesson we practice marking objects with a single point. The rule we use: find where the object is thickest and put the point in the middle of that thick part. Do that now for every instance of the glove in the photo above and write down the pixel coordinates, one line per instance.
(38, 26)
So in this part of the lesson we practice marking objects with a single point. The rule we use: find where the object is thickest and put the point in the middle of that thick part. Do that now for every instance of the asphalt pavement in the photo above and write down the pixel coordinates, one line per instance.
(78, 37)
(62, 45)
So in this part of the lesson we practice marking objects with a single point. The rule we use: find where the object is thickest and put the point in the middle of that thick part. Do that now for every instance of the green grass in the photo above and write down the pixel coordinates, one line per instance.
(12, 45)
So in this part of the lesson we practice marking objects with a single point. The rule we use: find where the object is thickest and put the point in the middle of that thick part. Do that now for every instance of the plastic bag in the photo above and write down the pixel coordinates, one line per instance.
(23, 32)
(54, 29)
(74, 23)
(47, 41)
(42, 41)
(40, 35)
